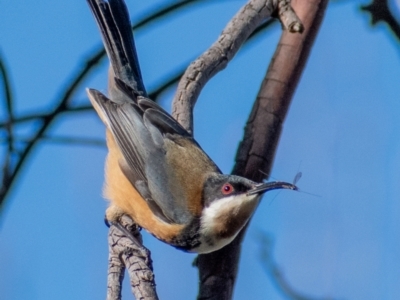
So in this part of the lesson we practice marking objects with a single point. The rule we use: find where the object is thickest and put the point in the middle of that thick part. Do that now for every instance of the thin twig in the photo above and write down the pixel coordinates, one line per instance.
(164, 11)
(380, 12)
(8, 96)
(276, 274)
(136, 259)
(47, 121)
(40, 116)
(69, 140)
(172, 78)
(8, 99)
(81, 141)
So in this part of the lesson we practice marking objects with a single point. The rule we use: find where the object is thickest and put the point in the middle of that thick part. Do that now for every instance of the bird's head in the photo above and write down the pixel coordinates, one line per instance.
(229, 201)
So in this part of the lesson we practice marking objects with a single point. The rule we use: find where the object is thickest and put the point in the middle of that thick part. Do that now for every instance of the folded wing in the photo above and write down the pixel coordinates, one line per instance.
(155, 149)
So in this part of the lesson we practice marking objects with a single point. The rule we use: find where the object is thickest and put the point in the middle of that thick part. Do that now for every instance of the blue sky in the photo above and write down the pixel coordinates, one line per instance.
(341, 132)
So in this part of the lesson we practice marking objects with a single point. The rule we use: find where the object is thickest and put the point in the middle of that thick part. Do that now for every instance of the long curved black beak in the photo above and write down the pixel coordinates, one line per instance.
(269, 186)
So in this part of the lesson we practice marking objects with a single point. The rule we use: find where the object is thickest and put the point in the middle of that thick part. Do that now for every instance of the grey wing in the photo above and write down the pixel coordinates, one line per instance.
(139, 134)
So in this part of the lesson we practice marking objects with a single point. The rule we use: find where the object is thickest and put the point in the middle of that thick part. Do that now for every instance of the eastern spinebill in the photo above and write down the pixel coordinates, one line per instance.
(155, 170)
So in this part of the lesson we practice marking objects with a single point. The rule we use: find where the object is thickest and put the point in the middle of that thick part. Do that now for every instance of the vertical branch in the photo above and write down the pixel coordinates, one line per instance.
(218, 270)
(8, 99)
(276, 274)
(137, 261)
(257, 149)
(116, 268)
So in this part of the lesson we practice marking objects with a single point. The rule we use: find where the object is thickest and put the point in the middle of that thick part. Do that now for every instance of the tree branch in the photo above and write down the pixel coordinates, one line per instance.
(154, 94)
(123, 253)
(218, 270)
(257, 149)
(8, 99)
(222, 51)
(62, 140)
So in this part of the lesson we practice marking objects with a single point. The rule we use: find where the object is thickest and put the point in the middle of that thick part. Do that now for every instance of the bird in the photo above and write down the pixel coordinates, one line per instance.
(155, 171)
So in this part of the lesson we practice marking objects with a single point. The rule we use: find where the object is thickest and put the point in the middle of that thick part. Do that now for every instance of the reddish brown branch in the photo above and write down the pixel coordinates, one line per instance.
(256, 151)
(218, 270)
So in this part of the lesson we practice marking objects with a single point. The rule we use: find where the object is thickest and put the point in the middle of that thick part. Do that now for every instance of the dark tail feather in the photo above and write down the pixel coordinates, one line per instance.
(114, 23)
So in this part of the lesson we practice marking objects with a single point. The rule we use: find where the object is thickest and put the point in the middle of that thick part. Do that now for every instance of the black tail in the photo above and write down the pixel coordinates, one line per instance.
(113, 20)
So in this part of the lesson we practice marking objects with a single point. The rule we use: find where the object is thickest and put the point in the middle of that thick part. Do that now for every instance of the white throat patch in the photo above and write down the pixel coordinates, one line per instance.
(219, 215)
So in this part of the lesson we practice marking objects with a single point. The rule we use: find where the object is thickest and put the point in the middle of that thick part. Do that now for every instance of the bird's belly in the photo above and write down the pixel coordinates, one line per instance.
(121, 193)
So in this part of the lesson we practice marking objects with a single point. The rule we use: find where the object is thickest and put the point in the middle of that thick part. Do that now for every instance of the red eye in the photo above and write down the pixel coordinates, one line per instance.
(227, 189)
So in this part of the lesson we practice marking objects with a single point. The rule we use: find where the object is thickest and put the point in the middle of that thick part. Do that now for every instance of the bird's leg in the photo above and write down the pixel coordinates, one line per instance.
(131, 231)
(126, 252)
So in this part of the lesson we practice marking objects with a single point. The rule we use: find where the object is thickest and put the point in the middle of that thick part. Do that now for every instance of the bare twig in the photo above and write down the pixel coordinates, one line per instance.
(154, 94)
(276, 274)
(222, 51)
(380, 12)
(65, 99)
(62, 140)
(8, 99)
(168, 82)
(116, 268)
(40, 116)
(69, 140)
(218, 269)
